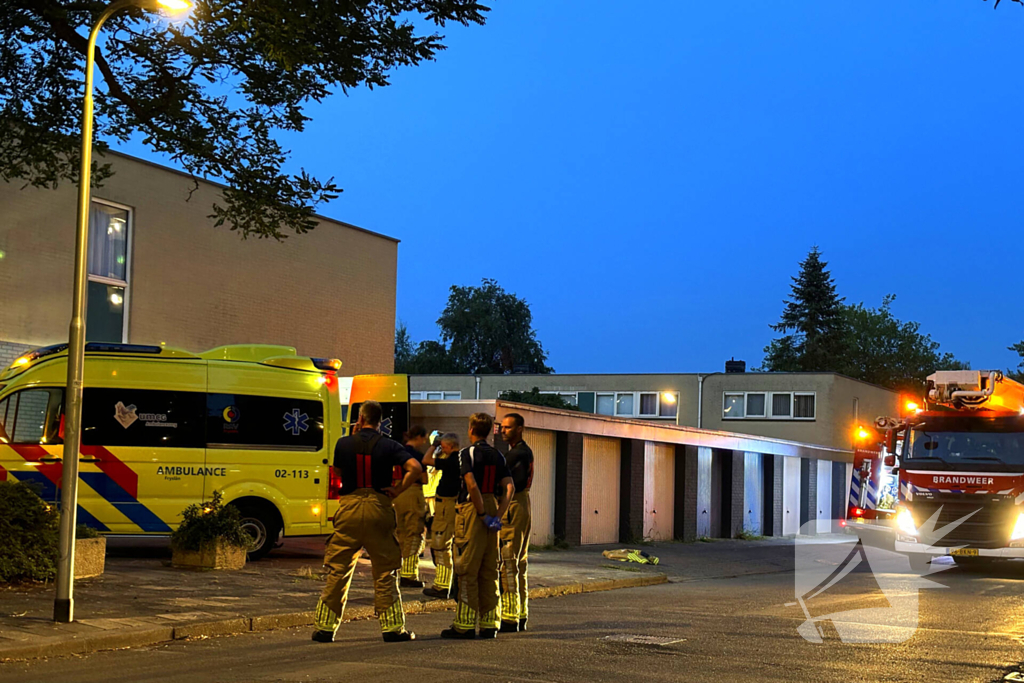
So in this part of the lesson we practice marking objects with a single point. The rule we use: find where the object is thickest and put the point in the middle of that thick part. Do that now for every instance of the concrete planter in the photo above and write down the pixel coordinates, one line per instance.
(90, 557)
(217, 555)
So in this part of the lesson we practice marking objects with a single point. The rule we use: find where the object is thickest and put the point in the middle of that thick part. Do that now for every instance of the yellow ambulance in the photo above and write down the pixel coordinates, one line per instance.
(164, 428)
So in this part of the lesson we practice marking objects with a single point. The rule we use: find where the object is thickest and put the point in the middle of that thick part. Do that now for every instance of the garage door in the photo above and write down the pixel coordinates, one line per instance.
(542, 493)
(659, 491)
(600, 518)
(753, 493)
(703, 492)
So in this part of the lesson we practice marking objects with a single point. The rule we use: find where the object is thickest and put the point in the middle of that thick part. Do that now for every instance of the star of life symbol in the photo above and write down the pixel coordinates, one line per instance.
(386, 426)
(296, 422)
(831, 575)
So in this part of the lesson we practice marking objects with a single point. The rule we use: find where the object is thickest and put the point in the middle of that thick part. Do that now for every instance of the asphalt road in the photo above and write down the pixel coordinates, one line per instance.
(726, 629)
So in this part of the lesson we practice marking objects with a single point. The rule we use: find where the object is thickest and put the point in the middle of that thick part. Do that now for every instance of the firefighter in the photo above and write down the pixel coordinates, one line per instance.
(515, 528)
(366, 519)
(444, 457)
(411, 511)
(477, 523)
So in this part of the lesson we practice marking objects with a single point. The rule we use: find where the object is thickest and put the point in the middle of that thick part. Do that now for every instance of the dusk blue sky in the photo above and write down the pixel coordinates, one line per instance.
(648, 180)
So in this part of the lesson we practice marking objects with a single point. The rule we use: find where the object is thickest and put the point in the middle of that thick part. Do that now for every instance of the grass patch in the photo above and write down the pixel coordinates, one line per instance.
(747, 536)
(706, 539)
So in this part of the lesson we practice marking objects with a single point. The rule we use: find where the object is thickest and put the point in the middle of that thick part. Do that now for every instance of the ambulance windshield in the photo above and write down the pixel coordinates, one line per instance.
(975, 440)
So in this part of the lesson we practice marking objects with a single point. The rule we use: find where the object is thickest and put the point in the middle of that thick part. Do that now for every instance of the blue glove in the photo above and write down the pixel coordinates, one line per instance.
(493, 523)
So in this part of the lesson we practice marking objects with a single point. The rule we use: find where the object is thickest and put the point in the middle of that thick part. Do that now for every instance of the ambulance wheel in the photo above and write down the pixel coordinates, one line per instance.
(261, 521)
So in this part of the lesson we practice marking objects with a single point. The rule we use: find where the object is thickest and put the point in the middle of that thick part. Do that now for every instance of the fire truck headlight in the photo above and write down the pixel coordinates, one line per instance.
(905, 522)
(1018, 528)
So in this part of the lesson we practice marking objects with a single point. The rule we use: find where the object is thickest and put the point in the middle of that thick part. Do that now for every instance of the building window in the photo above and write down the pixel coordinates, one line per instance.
(435, 395)
(856, 411)
(624, 405)
(648, 405)
(755, 405)
(567, 396)
(803, 406)
(668, 404)
(782, 405)
(606, 404)
(107, 292)
(733, 406)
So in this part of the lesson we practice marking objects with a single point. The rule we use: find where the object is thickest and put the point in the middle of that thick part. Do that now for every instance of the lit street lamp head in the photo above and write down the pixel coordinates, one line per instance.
(168, 6)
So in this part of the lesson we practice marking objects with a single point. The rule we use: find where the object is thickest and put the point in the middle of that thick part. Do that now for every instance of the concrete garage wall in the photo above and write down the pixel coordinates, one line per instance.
(330, 292)
(542, 493)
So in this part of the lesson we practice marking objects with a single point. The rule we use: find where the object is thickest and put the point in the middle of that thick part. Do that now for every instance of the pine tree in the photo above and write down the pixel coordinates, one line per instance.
(1017, 374)
(812, 322)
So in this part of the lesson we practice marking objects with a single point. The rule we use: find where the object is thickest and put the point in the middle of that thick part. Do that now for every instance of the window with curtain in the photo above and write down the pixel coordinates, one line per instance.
(733, 406)
(782, 405)
(803, 406)
(107, 260)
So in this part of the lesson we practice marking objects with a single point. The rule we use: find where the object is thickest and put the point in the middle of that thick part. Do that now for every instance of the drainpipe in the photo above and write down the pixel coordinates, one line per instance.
(700, 397)
(478, 387)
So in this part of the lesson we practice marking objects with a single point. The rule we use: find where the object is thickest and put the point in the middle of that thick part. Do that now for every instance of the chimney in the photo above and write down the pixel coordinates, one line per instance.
(735, 366)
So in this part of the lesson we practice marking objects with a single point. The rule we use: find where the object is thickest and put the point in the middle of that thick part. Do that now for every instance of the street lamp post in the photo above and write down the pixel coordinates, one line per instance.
(64, 604)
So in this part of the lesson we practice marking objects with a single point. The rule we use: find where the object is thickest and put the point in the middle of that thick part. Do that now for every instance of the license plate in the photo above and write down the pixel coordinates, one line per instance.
(965, 552)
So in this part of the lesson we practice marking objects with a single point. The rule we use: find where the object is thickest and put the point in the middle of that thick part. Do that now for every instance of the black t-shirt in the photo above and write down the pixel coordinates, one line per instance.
(487, 465)
(451, 474)
(520, 464)
(398, 474)
(362, 467)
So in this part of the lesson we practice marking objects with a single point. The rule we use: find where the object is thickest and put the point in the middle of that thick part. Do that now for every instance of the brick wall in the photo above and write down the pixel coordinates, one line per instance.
(736, 496)
(11, 350)
(808, 494)
(330, 292)
(569, 487)
(631, 491)
(686, 493)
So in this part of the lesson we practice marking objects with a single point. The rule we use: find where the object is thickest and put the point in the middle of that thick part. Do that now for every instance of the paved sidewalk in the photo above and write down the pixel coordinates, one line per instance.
(141, 599)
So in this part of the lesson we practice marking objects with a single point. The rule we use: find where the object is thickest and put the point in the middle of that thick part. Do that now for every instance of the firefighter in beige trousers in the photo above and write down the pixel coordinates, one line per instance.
(444, 456)
(516, 527)
(411, 511)
(366, 519)
(477, 523)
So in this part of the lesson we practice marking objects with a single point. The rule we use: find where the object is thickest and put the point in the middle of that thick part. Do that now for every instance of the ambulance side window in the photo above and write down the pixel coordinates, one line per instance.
(31, 417)
(239, 420)
(143, 417)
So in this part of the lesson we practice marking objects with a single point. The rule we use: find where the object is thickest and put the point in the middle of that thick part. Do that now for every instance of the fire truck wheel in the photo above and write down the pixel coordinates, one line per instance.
(919, 563)
(973, 564)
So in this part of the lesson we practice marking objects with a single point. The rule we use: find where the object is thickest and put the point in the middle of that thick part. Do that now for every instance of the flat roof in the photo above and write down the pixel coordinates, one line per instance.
(224, 186)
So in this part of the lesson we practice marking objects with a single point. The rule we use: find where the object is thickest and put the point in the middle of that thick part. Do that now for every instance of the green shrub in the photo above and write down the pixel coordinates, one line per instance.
(203, 524)
(30, 532)
(82, 531)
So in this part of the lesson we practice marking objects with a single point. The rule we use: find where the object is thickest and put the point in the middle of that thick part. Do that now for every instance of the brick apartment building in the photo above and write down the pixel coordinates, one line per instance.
(160, 272)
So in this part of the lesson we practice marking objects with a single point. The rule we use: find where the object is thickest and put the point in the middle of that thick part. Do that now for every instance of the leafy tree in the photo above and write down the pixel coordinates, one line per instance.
(883, 350)
(489, 331)
(484, 330)
(211, 92)
(535, 398)
(1017, 374)
(813, 321)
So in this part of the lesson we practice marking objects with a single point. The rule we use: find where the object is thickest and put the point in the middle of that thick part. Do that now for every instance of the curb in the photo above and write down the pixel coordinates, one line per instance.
(114, 640)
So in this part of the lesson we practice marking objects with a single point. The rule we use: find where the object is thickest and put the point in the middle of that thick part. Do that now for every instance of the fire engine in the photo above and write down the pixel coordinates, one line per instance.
(961, 469)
